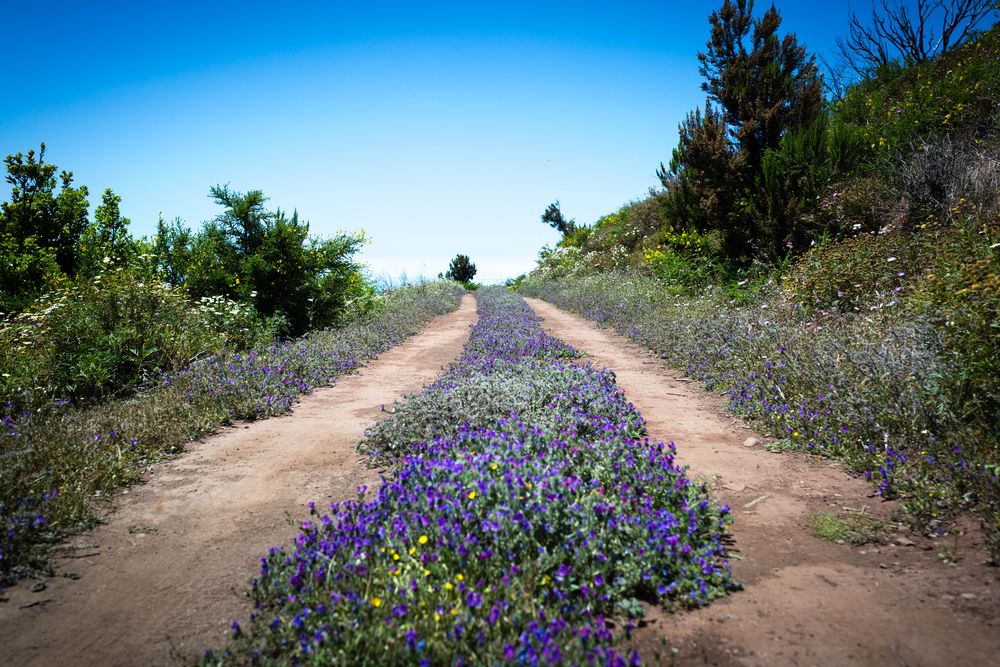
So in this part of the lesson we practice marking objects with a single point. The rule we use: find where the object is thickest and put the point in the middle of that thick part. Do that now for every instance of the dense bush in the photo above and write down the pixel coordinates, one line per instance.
(40, 228)
(265, 258)
(888, 390)
(861, 272)
(504, 543)
(107, 335)
(57, 458)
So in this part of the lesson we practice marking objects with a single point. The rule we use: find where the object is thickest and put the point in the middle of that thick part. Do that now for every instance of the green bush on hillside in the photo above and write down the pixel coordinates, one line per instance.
(953, 94)
(107, 335)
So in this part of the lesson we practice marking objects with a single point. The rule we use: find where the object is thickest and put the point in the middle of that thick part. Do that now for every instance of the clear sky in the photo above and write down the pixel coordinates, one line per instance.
(438, 128)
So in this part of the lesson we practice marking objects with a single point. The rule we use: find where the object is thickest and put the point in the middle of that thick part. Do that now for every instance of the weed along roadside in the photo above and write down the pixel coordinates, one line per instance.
(831, 572)
(163, 577)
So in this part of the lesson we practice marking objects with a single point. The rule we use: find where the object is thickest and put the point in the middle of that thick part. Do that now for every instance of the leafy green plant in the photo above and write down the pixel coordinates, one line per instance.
(265, 258)
(853, 528)
(107, 335)
(794, 174)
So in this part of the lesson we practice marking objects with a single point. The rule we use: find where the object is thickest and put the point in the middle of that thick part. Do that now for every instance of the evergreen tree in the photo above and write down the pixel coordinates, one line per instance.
(762, 90)
(461, 269)
(107, 237)
(759, 86)
(245, 219)
(553, 217)
(40, 228)
(701, 163)
(36, 211)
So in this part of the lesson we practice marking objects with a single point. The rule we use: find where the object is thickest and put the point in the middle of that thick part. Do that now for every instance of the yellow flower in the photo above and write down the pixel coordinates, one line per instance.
(376, 602)
(422, 539)
(460, 577)
(413, 550)
(448, 586)
(472, 495)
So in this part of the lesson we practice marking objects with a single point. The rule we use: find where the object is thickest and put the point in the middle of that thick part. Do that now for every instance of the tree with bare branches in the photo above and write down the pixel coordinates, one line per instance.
(911, 32)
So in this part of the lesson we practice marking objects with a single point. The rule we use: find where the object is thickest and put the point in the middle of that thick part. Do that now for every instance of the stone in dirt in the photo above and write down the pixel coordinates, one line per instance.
(904, 541)
(751, 442)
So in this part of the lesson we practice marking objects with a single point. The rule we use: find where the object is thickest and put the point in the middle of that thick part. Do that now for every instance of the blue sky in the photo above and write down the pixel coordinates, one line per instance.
(438, 128)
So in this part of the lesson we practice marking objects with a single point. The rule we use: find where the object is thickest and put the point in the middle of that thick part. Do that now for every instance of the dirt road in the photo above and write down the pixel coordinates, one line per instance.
(807, 601)
(161, 581)
(163, 578)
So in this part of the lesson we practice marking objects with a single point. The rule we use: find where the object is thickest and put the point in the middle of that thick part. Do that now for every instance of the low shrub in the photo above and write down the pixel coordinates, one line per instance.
(857, 273)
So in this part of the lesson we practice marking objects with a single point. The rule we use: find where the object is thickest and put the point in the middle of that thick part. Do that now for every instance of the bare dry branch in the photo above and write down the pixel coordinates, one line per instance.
(894, 32)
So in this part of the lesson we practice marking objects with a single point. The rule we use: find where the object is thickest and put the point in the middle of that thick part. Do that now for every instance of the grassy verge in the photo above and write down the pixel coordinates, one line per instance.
(58, 459)
(525, 511)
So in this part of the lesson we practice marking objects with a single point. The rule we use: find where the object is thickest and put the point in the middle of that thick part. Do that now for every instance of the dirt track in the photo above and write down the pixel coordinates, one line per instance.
(807, 601)
(163, 578)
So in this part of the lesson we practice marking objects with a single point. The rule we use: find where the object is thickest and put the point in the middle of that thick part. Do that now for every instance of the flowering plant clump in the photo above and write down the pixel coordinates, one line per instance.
(107, 335)
(23, 527)
(508, 542)
(509, 364)
(67, 454)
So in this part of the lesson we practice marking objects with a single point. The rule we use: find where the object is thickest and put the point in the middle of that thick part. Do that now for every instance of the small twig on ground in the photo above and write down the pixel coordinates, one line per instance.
(756, 500)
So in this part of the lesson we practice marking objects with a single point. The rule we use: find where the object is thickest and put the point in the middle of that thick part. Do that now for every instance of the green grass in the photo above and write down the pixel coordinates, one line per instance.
(854, 529)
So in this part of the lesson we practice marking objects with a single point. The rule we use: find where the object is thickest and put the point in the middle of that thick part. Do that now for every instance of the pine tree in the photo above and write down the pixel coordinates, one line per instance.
(759, 86)
(461, 269)
(762, 90)
(554, 218)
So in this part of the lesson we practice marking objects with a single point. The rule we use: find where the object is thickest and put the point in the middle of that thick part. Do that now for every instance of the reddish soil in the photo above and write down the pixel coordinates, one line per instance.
(806, 601)
(161, 580)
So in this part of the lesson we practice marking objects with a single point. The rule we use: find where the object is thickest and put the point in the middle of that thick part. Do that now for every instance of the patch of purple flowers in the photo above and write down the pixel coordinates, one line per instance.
(507, 542)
